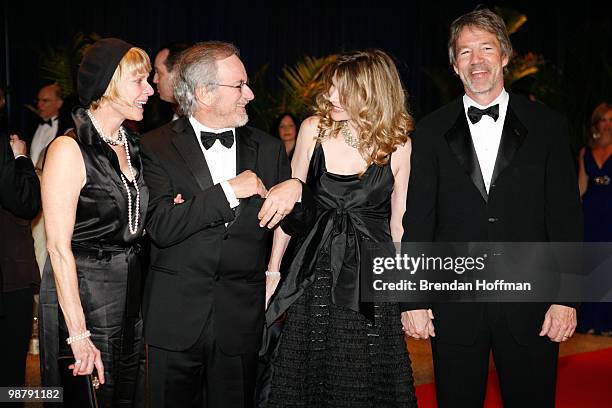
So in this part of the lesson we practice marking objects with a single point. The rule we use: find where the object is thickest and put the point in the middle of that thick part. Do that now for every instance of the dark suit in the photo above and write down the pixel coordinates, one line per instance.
(19, 202)
(533, 197)
(206, 282)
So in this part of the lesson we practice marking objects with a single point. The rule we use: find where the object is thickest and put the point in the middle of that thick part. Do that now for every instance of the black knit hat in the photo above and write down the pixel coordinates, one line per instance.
(97, 68)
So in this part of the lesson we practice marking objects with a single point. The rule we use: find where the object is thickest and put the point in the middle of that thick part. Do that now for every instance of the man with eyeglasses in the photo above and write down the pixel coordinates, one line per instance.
(205, 293)
(50, 123)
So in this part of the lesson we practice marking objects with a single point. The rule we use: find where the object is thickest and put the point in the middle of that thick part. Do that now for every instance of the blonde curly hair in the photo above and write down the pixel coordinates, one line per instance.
(371, 92)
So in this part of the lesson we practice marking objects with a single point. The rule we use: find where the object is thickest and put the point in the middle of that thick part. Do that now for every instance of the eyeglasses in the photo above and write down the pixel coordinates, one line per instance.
(240, 86)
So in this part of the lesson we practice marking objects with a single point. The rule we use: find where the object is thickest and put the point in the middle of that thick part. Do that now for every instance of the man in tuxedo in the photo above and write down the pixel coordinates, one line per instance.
(165, 109)
(19, 279)
(208, 175)
(491, 166)
(164, 64)
(51, 123)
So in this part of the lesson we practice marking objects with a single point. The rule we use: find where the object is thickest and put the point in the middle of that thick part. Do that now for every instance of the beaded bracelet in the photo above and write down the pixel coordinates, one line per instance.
(78, 337)
(275, 274)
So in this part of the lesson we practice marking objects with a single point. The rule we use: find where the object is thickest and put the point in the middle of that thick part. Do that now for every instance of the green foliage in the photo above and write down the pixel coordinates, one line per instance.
(300, 85)
(61, 65)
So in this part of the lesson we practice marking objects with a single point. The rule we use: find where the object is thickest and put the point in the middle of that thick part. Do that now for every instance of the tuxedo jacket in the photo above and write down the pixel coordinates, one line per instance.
(199, 265)
(533, 197)
(19, 203)
(64, 124)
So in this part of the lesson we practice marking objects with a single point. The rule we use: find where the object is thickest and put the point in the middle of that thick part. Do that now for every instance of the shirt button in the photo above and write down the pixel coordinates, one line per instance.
(493, 220)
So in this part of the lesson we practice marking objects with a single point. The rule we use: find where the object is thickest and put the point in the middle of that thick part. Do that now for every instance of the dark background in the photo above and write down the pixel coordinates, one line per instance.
(574, 39)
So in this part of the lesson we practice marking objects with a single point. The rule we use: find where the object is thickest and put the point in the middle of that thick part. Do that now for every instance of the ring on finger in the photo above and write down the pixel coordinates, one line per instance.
(77, 362)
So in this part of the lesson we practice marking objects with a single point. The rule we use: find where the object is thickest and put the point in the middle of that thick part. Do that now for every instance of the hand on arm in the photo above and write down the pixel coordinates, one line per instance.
(169, 223)
(247, 184)
(282, 197)
(63, 178)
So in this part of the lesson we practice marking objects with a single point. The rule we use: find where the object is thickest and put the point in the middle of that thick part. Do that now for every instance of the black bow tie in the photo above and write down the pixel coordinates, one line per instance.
(475, 114)
(49, 122)
(226, 138)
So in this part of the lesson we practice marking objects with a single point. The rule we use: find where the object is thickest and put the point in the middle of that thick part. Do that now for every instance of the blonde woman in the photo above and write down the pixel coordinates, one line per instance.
(354, 155)
(95, 200)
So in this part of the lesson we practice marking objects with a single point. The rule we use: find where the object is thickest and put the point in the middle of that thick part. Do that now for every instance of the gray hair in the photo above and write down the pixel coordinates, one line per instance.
(483, 19)
(198, 67)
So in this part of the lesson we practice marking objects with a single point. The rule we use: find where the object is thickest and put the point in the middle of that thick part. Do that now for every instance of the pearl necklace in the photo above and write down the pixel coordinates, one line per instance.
(349, 138)
(132, 222)
(109, 140)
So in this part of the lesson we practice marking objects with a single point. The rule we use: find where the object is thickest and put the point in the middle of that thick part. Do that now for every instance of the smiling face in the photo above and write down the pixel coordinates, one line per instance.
(134, 91)
(480, 64)
(225, 105)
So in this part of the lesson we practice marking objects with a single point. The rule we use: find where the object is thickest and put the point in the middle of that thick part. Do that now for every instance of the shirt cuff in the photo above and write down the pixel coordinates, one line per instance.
(20, 155)
(229, 194)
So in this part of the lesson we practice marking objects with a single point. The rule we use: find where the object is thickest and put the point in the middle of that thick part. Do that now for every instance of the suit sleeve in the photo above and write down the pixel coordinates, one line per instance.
(419, 220)
(563, 211)
(169, 224)
(19, 184)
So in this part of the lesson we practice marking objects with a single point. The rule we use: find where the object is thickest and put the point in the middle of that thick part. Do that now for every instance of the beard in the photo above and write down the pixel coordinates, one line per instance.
(480, 87)
(233, 118)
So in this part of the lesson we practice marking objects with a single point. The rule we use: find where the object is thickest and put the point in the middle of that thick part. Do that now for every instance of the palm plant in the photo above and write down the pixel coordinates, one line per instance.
(300, 85)
(60, 65)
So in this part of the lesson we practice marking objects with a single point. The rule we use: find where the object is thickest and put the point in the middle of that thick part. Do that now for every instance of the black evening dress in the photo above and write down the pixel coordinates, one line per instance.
(334, 350)
(108, 273)
(597, 210)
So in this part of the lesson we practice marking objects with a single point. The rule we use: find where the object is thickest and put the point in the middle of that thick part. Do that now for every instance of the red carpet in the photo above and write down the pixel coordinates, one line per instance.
(584, 381)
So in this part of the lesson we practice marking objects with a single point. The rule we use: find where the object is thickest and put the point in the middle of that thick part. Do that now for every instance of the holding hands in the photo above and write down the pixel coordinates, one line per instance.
(418, 324)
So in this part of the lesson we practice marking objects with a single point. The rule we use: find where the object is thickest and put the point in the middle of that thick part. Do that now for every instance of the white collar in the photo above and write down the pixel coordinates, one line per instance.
(199, 127)
(502, 100)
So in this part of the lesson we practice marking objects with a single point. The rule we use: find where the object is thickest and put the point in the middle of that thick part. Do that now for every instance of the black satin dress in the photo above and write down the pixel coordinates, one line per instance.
(336, 351)
(108, 272)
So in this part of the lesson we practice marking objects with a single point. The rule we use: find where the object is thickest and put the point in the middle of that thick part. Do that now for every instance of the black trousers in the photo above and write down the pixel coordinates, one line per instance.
(201, 376)
(527, 373)
(16, 329)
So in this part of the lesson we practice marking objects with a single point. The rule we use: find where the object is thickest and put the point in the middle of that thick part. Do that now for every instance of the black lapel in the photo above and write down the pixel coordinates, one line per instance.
(460, 142)
(246, 150)
(189, 148)
(512, 138)
(246, 159)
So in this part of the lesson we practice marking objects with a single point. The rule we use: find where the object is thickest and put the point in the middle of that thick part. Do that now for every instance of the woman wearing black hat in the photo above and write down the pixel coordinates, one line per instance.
(95, 200)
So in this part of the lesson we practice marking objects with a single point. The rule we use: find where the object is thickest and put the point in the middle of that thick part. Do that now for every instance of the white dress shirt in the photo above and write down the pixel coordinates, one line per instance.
(43, 136)
(221, 160)
(486, 134)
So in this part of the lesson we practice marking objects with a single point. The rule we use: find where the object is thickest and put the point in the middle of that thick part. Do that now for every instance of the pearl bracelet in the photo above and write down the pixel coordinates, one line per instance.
(275, 274)
(78, 337)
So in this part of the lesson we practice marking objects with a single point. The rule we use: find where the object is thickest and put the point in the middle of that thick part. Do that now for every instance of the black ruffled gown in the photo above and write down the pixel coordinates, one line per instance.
(336, 351)
(108, 272)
